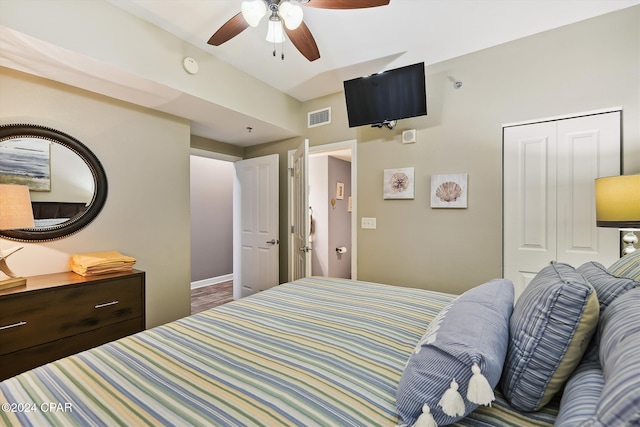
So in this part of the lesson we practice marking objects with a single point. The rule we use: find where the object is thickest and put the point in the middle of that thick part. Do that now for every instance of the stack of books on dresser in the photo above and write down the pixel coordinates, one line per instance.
(94, 263)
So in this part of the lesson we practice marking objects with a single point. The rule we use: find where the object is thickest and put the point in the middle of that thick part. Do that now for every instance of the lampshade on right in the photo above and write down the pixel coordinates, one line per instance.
(618, 205)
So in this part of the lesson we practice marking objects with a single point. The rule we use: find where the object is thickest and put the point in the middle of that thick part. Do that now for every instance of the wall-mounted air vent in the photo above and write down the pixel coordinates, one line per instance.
(319, 117)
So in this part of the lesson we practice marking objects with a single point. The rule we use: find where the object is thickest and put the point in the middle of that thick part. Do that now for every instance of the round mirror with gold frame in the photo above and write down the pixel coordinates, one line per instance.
(67, 183)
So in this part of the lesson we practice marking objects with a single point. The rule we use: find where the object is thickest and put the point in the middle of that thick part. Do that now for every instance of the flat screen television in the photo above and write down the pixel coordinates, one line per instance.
(391, 95)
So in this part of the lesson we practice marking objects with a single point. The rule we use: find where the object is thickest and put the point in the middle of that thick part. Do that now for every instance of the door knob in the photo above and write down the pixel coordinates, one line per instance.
(272, 242)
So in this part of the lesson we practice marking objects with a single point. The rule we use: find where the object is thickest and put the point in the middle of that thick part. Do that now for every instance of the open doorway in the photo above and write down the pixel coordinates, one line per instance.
(211, 195)
(330, 213)
(332, 193)
(211, 220)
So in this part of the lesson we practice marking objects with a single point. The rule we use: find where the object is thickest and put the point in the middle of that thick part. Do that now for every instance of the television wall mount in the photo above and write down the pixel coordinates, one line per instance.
(389, 124)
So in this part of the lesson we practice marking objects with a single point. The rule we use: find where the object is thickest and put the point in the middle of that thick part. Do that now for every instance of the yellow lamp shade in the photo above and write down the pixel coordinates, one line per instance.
(618, 201)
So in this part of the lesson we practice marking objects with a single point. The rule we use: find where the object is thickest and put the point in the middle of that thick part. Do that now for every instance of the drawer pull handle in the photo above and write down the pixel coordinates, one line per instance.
(106, 304)
(15, 325)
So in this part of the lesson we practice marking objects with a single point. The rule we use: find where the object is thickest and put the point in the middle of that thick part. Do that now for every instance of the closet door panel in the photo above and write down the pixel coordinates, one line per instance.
(529, 200)
(588, 148)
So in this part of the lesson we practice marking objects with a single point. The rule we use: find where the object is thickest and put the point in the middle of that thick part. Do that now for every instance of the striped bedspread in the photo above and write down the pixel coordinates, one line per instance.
(315, 352)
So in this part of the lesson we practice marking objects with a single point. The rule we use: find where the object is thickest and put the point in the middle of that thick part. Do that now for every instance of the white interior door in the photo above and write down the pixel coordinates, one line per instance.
(529, 200)
(300, 245)
(588, 148)
(256, 229)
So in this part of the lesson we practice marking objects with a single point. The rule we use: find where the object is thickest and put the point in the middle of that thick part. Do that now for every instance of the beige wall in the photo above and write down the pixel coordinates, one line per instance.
(211, 219)
(146, 158)
(586, 66)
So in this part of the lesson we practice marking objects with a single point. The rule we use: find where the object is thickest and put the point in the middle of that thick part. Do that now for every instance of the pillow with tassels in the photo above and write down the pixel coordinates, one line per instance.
(458, 362)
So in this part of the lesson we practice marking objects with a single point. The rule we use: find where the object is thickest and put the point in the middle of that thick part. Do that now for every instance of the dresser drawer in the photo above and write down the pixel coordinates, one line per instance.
(17, 362)
(30, 319)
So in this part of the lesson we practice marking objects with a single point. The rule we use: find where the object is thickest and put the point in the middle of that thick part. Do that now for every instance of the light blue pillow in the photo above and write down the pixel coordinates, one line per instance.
(549, 331)
(470, 334)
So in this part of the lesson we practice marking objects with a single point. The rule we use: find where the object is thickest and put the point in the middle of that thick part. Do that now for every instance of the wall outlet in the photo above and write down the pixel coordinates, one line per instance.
(369, 223)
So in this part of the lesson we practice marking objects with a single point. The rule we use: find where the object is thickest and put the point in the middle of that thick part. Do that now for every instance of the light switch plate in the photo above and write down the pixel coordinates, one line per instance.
(369, 223)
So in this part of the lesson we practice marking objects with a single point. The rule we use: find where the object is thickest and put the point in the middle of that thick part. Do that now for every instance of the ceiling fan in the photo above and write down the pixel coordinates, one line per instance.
(291, 13)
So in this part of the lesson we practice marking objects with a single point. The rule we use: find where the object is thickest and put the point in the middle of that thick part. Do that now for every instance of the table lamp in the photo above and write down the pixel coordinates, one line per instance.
(15, 213)
(618, 206)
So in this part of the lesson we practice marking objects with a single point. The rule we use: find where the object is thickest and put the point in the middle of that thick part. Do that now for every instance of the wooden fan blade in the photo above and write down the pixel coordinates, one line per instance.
(303, 40)
(229, 30)
(345, 4)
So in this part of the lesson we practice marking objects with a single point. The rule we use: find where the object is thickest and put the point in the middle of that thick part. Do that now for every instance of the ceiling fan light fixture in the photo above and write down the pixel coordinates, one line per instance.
(275, 32)
(253, 11)
(292, 13)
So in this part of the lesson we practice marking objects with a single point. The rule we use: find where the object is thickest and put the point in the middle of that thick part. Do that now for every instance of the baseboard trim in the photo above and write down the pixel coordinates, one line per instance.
(211, 281)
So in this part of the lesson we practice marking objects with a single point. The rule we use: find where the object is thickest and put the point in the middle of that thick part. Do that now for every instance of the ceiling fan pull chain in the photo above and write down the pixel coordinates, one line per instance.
(281, 51)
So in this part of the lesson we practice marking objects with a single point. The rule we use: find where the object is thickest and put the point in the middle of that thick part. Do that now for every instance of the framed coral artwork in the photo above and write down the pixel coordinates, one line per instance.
(449, 191)
(398, 184)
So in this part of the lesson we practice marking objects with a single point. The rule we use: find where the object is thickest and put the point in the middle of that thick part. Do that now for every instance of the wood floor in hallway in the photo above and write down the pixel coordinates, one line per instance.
(211, 296)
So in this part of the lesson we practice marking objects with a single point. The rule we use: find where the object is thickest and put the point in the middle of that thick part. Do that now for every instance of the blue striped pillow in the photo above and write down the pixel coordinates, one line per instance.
(608, 285)
(627, 266)
(551, 325)
(581, 395)
(620, 360)
(472, 329)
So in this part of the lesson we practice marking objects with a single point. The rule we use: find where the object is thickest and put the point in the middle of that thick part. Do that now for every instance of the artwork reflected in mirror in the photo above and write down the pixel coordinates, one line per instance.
(26, 161)
(67, 182)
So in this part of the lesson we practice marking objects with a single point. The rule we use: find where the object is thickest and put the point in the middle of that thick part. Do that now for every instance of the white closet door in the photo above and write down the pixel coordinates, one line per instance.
(588, 148)
(549, 201)
(529, 200)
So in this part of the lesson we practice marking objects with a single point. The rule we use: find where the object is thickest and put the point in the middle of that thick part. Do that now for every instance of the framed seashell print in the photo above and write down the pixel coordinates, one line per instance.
(449, 191)
(398, 184)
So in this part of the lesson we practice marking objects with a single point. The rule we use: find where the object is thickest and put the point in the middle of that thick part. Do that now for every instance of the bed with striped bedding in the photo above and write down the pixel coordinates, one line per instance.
(314, 352)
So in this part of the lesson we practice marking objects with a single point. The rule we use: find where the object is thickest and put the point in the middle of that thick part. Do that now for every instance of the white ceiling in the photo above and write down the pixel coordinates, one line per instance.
(352, 43)
(358, 42)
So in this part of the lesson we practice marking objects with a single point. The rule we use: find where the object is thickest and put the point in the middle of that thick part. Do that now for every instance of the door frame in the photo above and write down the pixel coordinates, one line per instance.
(199, 152)
(299, 208)
(564, 116)
(351, 144)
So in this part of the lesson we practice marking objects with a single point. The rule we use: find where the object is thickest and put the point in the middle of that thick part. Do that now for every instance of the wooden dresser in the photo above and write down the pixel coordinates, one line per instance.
(56, 315)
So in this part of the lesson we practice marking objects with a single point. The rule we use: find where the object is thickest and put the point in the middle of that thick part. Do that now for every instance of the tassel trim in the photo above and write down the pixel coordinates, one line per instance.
(425, 419)
(451, 401)
(479, 390)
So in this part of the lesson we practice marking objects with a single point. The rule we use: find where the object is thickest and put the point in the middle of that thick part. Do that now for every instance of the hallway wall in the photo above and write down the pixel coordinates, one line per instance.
(211, 218)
